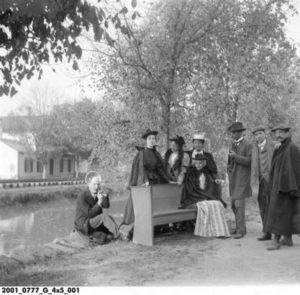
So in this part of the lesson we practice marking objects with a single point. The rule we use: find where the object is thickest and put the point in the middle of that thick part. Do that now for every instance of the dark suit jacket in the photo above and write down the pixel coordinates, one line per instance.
(239, 171)
(87, 208)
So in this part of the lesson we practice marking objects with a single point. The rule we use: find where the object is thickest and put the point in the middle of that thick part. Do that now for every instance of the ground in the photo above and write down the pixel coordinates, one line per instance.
(180, 259)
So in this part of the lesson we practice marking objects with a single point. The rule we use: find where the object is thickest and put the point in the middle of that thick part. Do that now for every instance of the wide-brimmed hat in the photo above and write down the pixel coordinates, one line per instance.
(149, 132)
(236, 126)
(259, 128)
(199, 136)
(285, 127)
(178, 139)
(199, 157)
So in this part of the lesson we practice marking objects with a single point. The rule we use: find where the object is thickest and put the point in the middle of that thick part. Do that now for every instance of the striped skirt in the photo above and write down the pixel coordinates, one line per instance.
(211, 220)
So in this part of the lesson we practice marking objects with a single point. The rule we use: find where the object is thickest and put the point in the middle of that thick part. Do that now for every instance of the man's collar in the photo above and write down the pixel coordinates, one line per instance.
(262, 145)
(93, 195)
(238, 140)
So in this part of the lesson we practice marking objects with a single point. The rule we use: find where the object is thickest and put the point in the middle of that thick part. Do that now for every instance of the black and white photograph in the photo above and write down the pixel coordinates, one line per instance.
(149, 143)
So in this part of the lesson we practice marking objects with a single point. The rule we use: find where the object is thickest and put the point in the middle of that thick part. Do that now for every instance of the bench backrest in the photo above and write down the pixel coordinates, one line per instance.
(165, 197)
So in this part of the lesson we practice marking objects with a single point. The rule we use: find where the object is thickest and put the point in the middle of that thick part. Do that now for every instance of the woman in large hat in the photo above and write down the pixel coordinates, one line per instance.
(176, 160)
(203, 192)
(147, 169)
(200, 184)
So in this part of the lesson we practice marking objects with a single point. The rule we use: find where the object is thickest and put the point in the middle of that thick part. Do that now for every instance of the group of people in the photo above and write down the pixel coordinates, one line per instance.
(267, 170)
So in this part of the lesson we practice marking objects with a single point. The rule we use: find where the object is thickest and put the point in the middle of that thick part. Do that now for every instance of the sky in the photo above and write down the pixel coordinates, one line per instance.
(65, 82)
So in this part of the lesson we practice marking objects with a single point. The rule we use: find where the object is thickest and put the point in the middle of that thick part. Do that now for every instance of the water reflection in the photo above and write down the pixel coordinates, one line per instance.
(34, 225)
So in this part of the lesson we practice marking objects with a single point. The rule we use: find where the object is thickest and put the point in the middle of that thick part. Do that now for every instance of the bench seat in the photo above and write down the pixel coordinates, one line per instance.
(166, 217)
(157, 205)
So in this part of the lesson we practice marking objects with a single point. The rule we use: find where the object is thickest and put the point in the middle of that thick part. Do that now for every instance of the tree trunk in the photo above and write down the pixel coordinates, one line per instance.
(166, 121)
(235, 108)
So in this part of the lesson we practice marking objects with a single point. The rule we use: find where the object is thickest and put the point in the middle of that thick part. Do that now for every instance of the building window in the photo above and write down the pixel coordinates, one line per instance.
(51, 167)
(31, 165)
(61, 165)
(39, 166)
(25, 165)
(69, 165)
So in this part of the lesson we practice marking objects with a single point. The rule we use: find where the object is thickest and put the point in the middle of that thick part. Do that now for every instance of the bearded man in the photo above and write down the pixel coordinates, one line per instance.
(283, 217)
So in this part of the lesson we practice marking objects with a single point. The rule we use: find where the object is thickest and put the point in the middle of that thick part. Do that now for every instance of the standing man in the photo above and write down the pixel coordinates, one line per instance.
(239, 173)
(198, 149)
(283, 218)
(262, 152)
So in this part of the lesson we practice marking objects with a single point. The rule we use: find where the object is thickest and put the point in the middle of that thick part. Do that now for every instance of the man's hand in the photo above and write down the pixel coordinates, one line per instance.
(219, 181)
(232, 154)
(101, 195)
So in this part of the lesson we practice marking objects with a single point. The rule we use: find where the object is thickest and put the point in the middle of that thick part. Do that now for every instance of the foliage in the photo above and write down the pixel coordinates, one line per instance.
(36, 31)
(202, 65)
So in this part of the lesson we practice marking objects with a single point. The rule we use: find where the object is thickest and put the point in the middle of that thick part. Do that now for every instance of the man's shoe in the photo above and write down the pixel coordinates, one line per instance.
(275, 246)
(238, 236)
(233, 231)
(265, 237)
(287, 241)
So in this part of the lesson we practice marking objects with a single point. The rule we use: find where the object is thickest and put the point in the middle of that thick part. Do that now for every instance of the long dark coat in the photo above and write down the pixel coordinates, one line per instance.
(141, 172)
(283, 216)
(269, 147)
(239, 171)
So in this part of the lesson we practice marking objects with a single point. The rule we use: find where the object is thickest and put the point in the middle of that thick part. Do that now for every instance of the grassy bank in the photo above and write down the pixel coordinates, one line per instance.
(22, 196)
(12, 197)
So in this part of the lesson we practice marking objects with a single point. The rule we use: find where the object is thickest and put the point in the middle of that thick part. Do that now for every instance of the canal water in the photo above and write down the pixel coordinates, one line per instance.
(39, 223)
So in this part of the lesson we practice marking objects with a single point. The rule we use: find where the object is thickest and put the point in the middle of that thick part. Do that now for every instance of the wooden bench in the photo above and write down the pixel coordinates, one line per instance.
(156, 205)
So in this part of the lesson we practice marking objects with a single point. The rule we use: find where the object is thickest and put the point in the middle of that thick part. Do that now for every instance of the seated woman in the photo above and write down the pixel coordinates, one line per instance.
(147, 169)
(176, 160)
(203, 191)
(90, 219)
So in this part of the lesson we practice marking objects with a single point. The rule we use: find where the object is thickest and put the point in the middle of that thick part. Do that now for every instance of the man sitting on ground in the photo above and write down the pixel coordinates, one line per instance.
(90, 219)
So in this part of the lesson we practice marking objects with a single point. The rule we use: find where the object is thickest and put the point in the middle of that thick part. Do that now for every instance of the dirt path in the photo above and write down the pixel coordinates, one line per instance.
(180, 259)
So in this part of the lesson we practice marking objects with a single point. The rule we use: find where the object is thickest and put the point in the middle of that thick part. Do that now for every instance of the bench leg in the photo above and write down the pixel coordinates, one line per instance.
(143, 225)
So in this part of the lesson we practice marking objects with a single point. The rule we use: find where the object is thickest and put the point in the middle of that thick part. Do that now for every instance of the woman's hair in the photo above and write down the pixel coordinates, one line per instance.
(90, 175)
(178, 162)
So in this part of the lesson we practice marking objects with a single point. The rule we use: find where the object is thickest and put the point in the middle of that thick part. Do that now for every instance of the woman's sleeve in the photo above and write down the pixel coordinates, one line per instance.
(134, 171)
(184, 165)
(160, 169)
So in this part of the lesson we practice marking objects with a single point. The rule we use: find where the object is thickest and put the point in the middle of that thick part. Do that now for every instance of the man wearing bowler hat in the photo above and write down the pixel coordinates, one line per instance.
(239, 172)
(283, 217)
(262, 152)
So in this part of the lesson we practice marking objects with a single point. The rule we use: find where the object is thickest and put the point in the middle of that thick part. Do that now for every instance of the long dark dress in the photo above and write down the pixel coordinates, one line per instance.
(283, 217)
(192, 191)
(147, 166)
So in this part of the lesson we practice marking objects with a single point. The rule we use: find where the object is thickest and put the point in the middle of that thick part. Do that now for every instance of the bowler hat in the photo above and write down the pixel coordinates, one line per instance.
(178, 139)
(259, 128)
(281, 127)
(149, 132)
(199, 157)
(199, 137)
(236, 126)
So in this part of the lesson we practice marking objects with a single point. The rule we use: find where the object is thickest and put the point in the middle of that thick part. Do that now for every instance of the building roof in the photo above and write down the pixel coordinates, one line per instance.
(16, 145)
